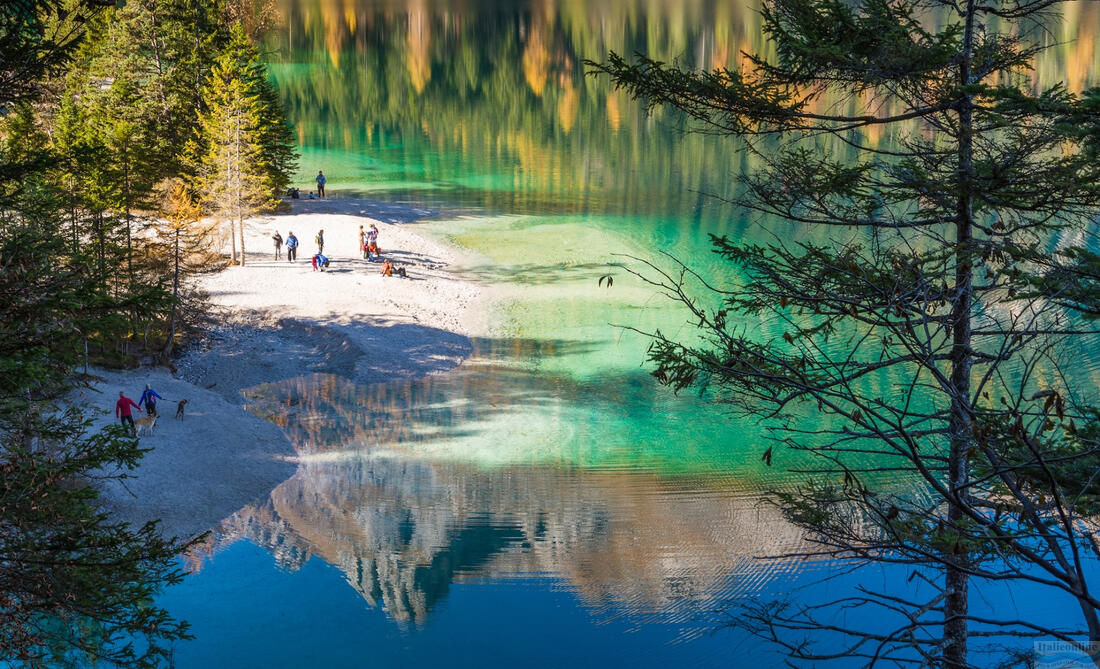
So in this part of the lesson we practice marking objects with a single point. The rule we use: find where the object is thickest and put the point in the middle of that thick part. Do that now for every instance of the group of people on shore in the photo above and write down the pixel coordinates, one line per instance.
(368, 244)
(124, 406)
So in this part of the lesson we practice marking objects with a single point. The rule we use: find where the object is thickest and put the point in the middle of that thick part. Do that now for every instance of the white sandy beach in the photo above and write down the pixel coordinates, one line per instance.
(279, 320)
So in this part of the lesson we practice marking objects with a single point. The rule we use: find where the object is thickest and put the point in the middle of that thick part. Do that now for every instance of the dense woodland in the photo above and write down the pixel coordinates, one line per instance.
(133, 140)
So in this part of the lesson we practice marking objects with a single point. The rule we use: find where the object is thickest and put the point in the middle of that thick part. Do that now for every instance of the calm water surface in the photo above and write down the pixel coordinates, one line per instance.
(547, 503)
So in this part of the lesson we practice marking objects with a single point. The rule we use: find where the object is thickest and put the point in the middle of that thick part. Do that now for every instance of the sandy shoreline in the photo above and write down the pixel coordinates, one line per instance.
(278, 320)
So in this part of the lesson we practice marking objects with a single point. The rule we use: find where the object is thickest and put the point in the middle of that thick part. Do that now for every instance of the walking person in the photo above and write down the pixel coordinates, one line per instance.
(291, 246)
(278, 239)
(320, 239)
(321, 183)
(123, 413)
(149, 398)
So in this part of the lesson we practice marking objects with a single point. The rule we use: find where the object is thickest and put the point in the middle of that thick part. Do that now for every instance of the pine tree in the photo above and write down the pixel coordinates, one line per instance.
(234, 173)
(76, 588)
(149, 59)
(276, 137)
(922, 337)
(74, 584)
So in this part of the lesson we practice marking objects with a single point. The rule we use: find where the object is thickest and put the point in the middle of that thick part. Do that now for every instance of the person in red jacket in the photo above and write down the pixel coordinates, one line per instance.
(122, 411)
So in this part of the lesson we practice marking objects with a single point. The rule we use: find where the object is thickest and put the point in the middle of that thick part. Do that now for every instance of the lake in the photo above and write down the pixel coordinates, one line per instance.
(547, 503)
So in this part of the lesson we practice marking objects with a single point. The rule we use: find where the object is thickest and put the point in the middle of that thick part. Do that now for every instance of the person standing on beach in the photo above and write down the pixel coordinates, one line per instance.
(278, 239)
(321, 183)
(291, 246)
(149, 398)
(371, 248)
(320, 239)
(363, 242)
(123, 413)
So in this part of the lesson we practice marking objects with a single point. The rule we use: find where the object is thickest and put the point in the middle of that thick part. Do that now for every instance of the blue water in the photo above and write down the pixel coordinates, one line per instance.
(310, 617)
(548, 503)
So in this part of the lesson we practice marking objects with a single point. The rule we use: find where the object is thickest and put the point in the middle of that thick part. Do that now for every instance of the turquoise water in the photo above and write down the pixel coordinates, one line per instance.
(547, 503)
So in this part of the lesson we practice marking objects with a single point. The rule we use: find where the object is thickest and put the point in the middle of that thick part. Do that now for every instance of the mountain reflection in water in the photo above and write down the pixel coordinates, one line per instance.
(550, 457)
(403, 530)
(403, 517)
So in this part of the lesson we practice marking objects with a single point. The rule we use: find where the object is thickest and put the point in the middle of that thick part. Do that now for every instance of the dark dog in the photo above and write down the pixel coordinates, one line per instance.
(179, 409)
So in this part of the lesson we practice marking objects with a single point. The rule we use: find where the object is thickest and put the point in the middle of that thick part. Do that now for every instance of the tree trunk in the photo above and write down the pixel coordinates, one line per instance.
(240, 178)
(165, 110)
(72, 214)
(232, 219)
(129, 235)
(1094, 630)
(240, 228)
(956, 581)
(101, 248)
(175, 295)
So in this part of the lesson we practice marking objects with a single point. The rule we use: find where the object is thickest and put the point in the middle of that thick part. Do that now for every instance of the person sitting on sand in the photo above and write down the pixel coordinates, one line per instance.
(320, 262)
(278, 239)
(387, 268)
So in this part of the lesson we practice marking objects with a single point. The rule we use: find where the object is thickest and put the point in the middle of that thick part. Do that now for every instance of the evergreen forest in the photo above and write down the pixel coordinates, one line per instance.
(134, 140)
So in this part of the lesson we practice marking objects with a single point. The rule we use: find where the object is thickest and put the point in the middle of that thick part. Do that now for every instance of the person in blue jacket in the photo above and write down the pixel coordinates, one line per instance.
(149, 398)
(291, 246)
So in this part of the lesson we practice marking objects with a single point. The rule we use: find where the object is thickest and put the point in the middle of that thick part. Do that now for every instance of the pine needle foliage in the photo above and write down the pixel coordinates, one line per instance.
(240, 144)
(919, 360)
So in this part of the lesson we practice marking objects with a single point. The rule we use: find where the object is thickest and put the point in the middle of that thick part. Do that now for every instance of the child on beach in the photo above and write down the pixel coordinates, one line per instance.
(363, 242)
(278, 239)
(320, 239)
(320, 262)
(372, 251)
